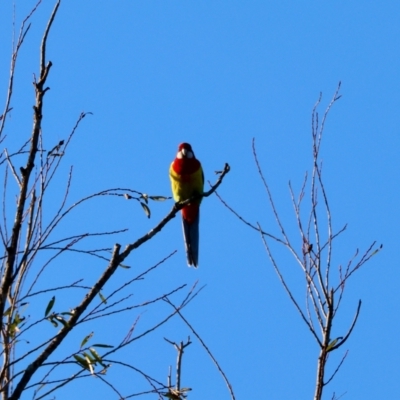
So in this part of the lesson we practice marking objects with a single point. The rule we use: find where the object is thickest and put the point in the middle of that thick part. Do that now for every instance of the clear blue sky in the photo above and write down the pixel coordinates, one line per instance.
(217, 74)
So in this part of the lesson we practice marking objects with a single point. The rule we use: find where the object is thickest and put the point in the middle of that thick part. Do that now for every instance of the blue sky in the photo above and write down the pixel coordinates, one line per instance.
(217, 74)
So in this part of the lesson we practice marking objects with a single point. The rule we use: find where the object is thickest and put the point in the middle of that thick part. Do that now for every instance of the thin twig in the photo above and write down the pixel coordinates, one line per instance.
(337, 369)
(205, 348)
(289, 292)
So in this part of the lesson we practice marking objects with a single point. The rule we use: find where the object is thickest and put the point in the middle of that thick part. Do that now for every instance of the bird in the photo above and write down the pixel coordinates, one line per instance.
(187, 180)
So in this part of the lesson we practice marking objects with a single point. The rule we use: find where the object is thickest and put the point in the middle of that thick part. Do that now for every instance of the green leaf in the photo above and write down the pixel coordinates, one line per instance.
(107, 346)
(95, 354)
(17, 319)
(86, 338)
(81, 361)
(172, 396)
(97, 357)
(124, 266)
(51, 319)
(146, 209)
(50, 306)
(376, 251)
(145, 197)
(67, 313)
(332, 344)
(103, 299)
(89, 358)
(61, 319)
(13, 328)
(7, 312)
(89, 362)
(159, 198)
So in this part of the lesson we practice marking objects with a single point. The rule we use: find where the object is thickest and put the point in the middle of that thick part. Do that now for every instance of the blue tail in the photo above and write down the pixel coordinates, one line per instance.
(191, 237)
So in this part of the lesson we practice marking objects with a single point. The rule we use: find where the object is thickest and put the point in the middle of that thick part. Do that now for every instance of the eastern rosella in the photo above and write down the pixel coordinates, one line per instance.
(187, 179)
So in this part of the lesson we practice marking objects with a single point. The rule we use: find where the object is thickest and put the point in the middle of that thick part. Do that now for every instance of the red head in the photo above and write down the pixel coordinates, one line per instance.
(185, 161)
(185, 151)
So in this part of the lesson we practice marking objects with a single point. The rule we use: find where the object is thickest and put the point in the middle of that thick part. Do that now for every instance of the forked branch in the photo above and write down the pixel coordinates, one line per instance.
(315, 253)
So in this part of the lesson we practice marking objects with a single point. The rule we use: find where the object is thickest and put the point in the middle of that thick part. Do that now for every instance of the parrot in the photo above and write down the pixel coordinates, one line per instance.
(187, 179)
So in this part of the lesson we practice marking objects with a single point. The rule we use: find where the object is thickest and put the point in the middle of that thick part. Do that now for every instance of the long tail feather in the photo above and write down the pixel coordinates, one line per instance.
(191, 237)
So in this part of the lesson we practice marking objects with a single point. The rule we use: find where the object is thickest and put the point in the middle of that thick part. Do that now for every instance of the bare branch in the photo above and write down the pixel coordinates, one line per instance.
(289, 292)
(246, 222)
(270, 199)
(21, 37)
(350, 330)
(204, 346)
(44, 70)
(180, 349)
(337, 369)
(77, 312)
(14, 172)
